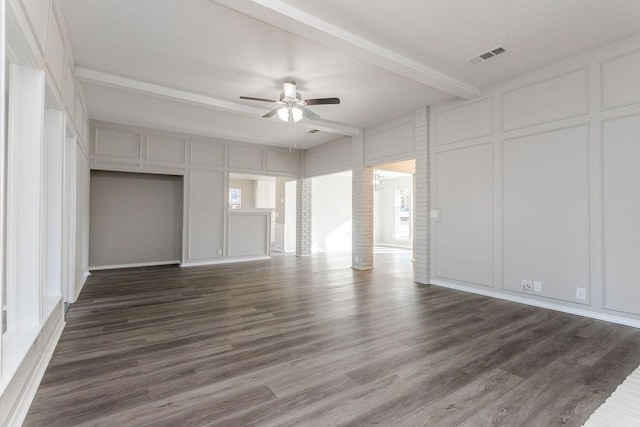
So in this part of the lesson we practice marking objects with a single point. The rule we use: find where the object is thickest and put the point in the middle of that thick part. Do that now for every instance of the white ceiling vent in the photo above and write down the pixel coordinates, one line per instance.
(486, 55)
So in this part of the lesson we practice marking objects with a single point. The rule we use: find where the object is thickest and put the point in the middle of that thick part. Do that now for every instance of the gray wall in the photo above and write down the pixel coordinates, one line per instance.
(538, 181)
(135, 218)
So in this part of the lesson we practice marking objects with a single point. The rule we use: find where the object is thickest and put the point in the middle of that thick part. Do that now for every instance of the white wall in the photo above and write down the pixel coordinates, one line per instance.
(537, 180)
(385, 212)
(331, 213)
(331, 157)
(47, 189)
(205, 163)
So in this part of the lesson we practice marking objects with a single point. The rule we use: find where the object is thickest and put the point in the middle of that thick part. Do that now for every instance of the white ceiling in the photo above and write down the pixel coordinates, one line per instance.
(383, 59)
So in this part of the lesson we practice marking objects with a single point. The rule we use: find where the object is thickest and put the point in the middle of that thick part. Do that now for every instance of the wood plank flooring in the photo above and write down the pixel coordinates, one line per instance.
(311, 342)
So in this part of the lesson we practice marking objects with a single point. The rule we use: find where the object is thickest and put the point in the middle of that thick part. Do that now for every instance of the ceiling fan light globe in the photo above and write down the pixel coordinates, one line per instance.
(283, 114)
(295, 113)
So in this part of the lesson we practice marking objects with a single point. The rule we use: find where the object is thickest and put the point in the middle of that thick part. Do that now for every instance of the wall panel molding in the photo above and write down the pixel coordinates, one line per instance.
(539, 102)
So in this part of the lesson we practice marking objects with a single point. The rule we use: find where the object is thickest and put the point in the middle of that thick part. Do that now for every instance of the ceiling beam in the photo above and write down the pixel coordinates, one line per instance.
(136, 86)
(287, 17)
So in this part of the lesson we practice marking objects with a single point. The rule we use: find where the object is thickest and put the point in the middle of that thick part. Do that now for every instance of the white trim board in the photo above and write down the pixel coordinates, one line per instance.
(230, 260)
(30, 383)
(133, 265)
(542, 304)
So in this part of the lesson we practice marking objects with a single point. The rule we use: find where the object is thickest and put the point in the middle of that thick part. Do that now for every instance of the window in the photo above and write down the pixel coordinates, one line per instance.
(235, 198)
(403, 213)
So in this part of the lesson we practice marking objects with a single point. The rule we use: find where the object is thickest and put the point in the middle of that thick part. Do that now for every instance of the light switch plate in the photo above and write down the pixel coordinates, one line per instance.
(434, 214)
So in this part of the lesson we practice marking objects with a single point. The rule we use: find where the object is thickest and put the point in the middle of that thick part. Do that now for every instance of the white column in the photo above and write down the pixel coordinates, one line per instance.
(362, 206)
(303, 212)
(24, 189)
(303, 217)
(2, 172)
(421, 198)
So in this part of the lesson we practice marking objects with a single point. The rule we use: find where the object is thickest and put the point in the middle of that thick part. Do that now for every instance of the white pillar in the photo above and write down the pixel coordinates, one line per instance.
(421, 199)
(362, 207)
(303, 213)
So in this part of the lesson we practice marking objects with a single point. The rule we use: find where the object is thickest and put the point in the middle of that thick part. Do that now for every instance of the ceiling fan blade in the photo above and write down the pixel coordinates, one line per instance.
(319, 101)
(271, 113)
(251, 98)
(309, 114)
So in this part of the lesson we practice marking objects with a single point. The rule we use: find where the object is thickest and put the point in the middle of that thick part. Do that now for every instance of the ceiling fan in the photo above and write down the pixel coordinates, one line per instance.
(291, 105)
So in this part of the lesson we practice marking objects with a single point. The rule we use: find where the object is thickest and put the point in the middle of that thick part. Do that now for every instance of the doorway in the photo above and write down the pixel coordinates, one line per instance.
(393, 208)
(331, 212)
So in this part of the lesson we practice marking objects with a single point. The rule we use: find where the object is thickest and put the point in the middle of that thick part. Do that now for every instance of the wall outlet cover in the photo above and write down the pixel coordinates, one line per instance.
(527, 285)
(581, 293)
(537, 286)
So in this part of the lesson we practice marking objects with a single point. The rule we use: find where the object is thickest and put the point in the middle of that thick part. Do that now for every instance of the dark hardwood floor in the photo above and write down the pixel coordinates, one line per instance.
(310, 341)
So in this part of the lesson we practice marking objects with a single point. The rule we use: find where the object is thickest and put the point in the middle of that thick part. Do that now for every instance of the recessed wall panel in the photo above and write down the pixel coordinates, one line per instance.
(620, 81)
(163, 149)
(340, 156)
(206, 210)
(135, 218)
(55, 52)
(245, 158)
(38, 12)
(207, 153)
(621, 151)
(69, 90)
(470, 121)
(116, 143)
(389, 143)
(248, 234)
(316, 162)
(553, 99)
(464, 230)
(282, 162)
(546, 212)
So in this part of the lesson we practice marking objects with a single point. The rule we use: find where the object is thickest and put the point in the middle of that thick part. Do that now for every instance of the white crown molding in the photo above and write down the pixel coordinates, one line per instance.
(137, 86)
(282, 15)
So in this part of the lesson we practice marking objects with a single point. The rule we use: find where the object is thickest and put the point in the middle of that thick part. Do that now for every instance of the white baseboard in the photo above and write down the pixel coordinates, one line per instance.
(542, 304)
(80, 285)
(390, 245)
(27, 378)
(229, 260)
(133, 265)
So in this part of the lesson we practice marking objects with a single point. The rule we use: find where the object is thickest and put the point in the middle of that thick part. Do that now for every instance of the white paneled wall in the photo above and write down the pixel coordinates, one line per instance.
(331, 157)
(47, 189)
(390, 141)
(621, 209)
(463, 244)
(537, 181)
(205, 164)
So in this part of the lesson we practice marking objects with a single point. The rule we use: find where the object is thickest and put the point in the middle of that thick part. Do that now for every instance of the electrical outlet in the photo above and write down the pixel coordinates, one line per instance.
(537, 286)
(527, 285)
(219, 252)
(581, 293)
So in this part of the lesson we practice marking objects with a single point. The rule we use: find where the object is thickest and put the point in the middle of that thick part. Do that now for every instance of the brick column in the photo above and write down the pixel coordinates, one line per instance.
(421, 221)
(362, 208)
(303, 213)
